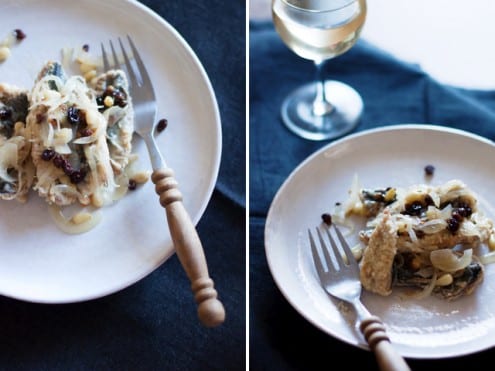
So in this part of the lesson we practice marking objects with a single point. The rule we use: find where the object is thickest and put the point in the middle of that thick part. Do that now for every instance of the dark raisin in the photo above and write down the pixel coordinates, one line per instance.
(77, 176)
(40, 117)
(67, 168)
(429, 170)
(58, 160)
(465, 211)
(464, 208)
(86, 132)
(47, 154)
(457, 215)
(73, 115)
(452, 225)
(119, 98)
(19, 34)
(85, 47)
(132, 185)
(419, 234)
(5, 113)
(162, 125)
(468, 211)
(327, 219)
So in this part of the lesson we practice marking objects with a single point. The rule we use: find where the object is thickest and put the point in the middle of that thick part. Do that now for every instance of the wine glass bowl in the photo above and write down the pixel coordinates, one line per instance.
(320, 30)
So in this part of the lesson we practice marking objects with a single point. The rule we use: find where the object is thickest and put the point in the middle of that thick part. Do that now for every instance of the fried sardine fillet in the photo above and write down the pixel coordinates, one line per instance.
(78, 146)
(16, 169)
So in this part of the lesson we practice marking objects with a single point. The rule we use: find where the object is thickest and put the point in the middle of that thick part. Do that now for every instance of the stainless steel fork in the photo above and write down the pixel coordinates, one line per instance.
(184, 235)
(342, 282)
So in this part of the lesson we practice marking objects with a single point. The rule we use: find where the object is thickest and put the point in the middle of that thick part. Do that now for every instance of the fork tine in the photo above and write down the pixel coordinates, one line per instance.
(106, 65)
(316, 256)
(336, 251)
(114, 54)
(331, 268)
(130, 71)
(142, 69)
(345, 246)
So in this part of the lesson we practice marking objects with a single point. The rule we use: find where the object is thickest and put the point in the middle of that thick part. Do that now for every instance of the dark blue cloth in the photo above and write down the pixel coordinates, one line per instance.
(153, 324)
(393, 92)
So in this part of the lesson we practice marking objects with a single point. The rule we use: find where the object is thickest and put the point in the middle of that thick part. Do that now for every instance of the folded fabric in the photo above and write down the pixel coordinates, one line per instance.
(393, 92)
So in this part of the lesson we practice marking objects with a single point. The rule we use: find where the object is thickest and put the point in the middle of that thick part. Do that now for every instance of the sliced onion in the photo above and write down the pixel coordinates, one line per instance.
(412, 234)
(446, 212)
(68, 226)
(436, 198)
(468, 228)
(8, 159)
(66, 190)
(432, 226)
(487, 258)
(122, 187)
(433, 213)
(427, 290)
(114, 114)
(67, 57)
(85, 140)
(62, 149)
(354, 203)
(47, 133)
(448, 261)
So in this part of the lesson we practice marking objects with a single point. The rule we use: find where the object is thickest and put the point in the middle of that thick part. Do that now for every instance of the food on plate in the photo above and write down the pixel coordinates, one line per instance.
(6, 44)
(429, 170)
(16, 169)
(79, 144)
(70, 140)
(87, 63)
(114, 102)
(421, 237)
(161, 125)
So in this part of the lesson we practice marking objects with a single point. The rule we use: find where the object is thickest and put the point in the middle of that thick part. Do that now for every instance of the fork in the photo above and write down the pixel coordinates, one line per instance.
(342, 282)
(184, 235)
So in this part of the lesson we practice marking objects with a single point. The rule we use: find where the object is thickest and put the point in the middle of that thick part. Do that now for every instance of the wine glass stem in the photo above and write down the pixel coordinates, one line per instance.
(321, 105)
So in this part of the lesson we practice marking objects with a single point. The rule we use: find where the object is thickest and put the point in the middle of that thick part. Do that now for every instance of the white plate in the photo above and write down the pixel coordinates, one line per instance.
(391, 156)
(37, 261)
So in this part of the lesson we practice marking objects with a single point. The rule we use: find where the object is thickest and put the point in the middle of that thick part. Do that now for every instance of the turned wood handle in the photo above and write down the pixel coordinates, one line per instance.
(386, 356)
(188, 248)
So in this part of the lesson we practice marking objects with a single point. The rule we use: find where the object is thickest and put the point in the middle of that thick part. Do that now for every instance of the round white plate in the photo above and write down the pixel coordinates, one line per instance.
(37, 261)
(391, 156)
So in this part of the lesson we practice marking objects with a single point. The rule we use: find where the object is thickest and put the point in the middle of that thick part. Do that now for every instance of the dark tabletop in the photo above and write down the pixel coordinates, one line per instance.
(152, 325)
(393, 92)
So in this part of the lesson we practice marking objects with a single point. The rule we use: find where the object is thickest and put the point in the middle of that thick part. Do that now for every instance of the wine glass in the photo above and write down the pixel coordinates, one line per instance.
(319, 30)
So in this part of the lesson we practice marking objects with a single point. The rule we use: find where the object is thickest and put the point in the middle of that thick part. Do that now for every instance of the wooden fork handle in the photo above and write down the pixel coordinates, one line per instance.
(188, 248)
(386, 356)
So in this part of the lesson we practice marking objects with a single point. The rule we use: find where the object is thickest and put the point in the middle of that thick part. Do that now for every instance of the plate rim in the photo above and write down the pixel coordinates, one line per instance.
(308, 159)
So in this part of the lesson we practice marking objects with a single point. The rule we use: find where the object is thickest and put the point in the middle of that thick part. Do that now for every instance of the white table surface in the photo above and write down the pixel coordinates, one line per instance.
(451, 39)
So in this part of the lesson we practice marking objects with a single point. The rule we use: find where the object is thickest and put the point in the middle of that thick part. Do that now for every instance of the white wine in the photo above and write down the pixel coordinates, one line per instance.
(318, 35)
(319, 30)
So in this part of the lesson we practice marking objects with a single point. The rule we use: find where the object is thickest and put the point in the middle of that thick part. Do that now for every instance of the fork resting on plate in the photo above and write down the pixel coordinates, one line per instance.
(342, 282)
(184, 235)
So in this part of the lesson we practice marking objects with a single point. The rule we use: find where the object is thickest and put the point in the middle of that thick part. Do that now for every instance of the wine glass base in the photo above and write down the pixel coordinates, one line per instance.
(298, 115)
